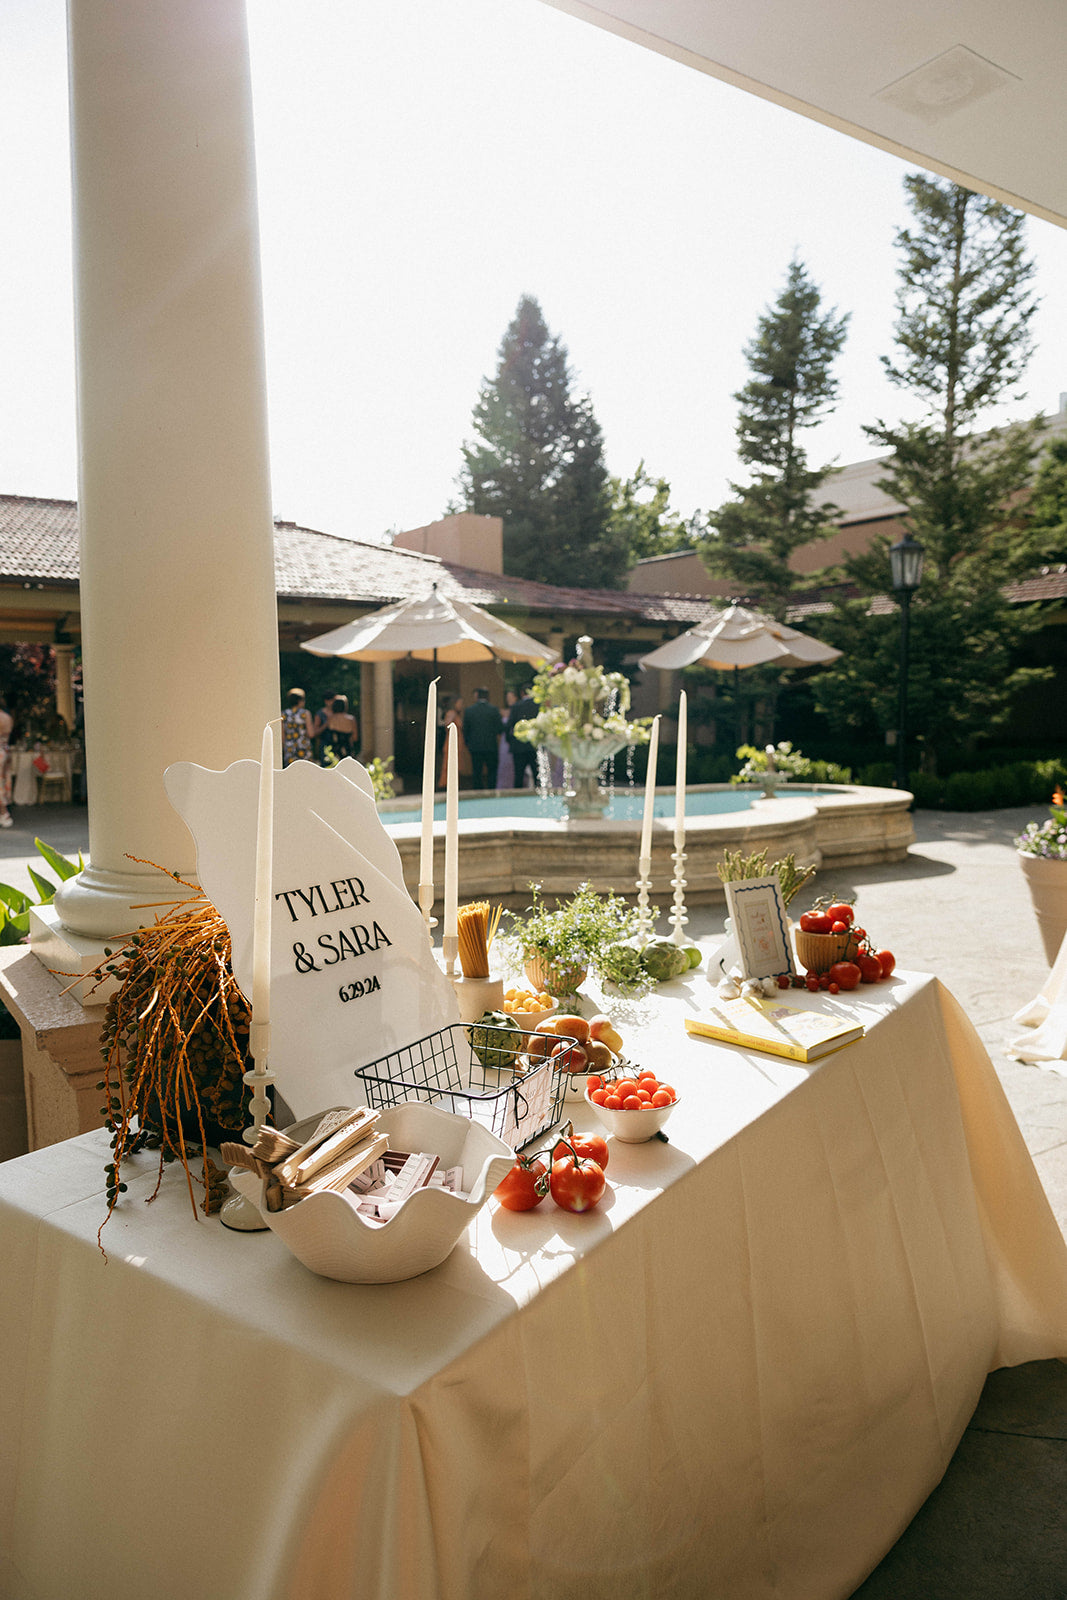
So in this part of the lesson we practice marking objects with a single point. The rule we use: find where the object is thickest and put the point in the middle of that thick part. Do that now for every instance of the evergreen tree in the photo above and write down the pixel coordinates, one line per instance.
(537, 461)
(964, 307)
(641, 516)
(791, 388)
(1047, 506)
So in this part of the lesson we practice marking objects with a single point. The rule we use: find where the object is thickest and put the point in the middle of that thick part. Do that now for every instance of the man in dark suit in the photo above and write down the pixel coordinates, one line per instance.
(523, 753)
(482, 727)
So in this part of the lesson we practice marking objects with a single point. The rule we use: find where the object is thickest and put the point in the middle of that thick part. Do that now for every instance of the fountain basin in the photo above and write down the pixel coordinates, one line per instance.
(831, 826)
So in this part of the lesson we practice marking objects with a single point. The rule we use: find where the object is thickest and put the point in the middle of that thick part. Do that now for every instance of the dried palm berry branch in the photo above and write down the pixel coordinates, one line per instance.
(175, 1045)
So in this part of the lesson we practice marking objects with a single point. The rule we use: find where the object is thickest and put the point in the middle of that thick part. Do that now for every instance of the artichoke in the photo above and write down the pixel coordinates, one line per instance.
(488, 1041)
(662, 960)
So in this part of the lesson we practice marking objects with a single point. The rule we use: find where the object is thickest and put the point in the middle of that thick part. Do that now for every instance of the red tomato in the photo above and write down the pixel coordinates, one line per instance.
(599, 1097)
(613, 1102)
(840, 911)
(525, 1186)
(576, 1185)
(838, 926)
(887, 961)
(590, 1146)
(815, 922)
(869, 966)
(665, 1088)
(846, 974)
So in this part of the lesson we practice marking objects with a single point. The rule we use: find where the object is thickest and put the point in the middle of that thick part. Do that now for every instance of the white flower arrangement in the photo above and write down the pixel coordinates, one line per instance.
(580, 702)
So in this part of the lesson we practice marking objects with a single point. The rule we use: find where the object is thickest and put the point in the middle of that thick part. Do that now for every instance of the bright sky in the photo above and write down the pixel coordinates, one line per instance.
(423, 165)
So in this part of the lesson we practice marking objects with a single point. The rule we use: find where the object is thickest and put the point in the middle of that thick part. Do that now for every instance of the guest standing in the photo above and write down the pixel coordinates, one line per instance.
(340, 736)
(321, 718)
(505, 767)
(482, 727)
(298, 730)
(453, 718)
(6, 725)
(523, 754)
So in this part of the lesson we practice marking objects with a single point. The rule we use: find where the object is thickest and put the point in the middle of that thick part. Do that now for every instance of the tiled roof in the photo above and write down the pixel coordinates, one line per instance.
(39, 543)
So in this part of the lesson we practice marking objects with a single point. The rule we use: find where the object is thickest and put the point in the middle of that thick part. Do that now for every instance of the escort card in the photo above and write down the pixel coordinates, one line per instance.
(353, 975)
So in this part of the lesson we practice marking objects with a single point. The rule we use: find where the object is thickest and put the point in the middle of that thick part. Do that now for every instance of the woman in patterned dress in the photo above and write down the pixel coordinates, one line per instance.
(297, 729)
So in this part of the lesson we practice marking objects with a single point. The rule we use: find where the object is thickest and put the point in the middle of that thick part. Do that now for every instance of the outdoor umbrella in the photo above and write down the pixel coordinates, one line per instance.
(738, 638)
(432, 629)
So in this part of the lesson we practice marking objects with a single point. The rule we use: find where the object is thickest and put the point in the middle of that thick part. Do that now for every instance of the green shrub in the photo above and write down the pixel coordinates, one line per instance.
(1016, 783)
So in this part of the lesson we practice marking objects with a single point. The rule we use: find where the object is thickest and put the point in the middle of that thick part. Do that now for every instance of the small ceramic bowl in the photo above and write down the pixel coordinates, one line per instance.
(630, 1127)
(533, 1019)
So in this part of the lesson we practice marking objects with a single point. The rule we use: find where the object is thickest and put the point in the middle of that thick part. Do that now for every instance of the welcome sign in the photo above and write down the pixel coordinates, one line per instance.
(353, 976)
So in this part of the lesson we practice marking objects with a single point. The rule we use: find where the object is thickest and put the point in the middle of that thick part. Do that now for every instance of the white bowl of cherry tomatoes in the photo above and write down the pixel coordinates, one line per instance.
(634, 1108)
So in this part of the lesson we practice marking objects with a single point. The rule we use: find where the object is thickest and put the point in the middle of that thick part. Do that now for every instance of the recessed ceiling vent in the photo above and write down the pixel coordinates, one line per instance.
(943, 86)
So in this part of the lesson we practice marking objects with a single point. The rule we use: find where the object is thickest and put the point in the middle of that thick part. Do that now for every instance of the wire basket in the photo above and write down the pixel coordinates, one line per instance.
(515, 1098)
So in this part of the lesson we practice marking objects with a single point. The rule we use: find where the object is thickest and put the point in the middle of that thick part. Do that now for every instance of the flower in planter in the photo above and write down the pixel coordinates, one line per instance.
(1049, 838)
(581, 701)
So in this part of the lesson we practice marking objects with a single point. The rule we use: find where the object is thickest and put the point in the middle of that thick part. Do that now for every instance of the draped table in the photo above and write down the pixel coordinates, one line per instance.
(737, 1379)
(26, 778)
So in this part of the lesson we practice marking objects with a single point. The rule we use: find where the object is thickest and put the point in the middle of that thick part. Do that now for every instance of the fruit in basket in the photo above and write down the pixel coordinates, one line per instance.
(525, 1186)
(573, 1027)
(598, 1056)
(570, 1058)
(489, 1043)
(662, 960)
(603, 1031)
(518, 1002)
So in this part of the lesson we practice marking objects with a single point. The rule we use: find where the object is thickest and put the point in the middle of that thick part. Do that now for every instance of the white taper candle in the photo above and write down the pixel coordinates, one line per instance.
(679, 775)
(264, 901)
(650, 791)
(429, 780)
(451, 917)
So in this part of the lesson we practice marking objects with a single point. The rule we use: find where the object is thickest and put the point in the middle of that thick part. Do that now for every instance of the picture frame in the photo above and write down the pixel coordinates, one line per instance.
(761, 926)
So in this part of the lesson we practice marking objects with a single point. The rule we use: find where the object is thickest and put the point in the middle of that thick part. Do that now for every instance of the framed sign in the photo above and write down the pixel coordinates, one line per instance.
(761, 927)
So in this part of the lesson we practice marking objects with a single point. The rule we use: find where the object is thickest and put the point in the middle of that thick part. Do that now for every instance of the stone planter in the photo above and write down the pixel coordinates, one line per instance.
(1046, 878)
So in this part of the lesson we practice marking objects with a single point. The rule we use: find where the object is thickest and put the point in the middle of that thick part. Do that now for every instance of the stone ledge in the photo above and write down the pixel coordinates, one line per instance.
(61, 1062)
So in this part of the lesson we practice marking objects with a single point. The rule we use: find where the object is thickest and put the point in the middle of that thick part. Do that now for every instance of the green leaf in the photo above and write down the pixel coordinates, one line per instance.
(44, 888)
(14, 929)
(59, 864)
(14, 898)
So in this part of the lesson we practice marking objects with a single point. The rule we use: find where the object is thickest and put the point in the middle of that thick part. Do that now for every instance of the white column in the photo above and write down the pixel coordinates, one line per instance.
(179, 618)
(384, 719)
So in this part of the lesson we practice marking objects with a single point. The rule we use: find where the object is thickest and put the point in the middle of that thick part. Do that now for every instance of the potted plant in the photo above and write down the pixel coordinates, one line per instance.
(1042, 848)
(558, 948)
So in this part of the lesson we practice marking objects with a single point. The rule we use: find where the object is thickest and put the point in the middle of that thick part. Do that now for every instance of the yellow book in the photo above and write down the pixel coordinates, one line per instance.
(778, 1029)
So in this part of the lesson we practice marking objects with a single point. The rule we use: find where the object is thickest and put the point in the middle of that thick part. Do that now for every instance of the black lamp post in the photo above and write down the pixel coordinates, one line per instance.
(906, 565)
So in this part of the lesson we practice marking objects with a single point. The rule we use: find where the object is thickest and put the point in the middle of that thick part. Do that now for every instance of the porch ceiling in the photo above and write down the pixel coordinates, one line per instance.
(971, 89)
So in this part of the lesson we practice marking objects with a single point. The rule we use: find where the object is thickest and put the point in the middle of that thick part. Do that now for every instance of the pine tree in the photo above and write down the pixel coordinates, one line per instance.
(537, 461)
(964, 306)
(792, 388)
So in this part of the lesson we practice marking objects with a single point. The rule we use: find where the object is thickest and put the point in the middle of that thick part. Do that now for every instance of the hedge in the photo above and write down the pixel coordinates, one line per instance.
(1016, 783)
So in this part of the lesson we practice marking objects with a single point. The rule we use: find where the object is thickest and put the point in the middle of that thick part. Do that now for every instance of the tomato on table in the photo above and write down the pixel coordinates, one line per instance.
(589, 1146)
(576, 1184)
(525, 1186)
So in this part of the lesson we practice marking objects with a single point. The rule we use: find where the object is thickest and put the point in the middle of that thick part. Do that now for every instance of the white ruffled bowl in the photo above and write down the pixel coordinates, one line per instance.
(329, 1236)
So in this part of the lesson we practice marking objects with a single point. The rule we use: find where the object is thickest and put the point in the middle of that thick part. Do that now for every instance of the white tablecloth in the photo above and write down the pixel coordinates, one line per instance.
(736, 1380)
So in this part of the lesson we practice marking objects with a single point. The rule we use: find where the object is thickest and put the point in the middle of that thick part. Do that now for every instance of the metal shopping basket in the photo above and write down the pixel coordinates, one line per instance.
(495, 1084)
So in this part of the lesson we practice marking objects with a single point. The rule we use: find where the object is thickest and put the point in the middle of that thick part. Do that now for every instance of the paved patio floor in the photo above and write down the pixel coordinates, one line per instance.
(996, 1527)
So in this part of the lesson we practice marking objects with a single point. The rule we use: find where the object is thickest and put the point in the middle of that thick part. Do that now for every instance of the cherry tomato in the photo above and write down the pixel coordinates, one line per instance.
(846, 974)
(661, 1098)
(784, 981)
(839, 927)
(834, 988)
(613, 1102)
(576, 1185)
(590, 1146)
(859, 933)
(869, 966)
(525, 1186)
(840, 911)
(665, 1088)
(812, 982)
(887, 961)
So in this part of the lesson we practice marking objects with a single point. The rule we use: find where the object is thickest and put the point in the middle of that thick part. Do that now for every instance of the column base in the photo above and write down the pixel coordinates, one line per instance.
(98, 904)
(69, 956)
(61, 1060)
